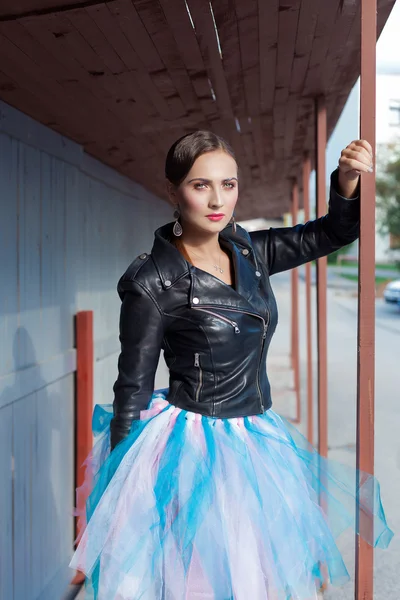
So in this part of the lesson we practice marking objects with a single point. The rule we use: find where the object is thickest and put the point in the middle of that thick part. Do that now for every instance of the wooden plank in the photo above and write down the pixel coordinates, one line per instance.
(13, 9)
(128, 21)
(288, 23)
(64, 68)
(268, 18)
(246, 136)
(307, 23)
(247, 16)
(19, 66)
(305, 114)
(204, 26)
(76, 32)
(153, 18)
(327, 22)
(228, 32)
(209, 49)
(227, 25)
(65, 59)
(290, 125)
(178, 20)
(279, 124)
(170, 104)
(98, 41)
(18, 97)
(259, 147)
(20, 69)
(49, 48)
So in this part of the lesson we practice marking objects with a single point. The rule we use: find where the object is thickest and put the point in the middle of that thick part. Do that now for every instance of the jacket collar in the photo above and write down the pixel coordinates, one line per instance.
(172, 266)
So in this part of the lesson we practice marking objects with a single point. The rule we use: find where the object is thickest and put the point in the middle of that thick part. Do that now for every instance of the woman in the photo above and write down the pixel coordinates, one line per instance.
(207, 493)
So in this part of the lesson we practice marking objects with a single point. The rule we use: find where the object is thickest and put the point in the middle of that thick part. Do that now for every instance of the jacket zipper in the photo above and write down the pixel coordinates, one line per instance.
(200, 383)
(264, 335)
(210, 312)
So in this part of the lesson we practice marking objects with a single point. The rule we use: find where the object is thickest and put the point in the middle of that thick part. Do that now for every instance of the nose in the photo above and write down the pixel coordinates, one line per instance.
(215, 200)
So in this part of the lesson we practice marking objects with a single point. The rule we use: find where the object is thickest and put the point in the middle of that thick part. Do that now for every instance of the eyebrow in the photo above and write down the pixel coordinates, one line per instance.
(203, 180)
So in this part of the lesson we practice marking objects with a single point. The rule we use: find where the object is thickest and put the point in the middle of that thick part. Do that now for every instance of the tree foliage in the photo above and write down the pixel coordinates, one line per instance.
(388, 190)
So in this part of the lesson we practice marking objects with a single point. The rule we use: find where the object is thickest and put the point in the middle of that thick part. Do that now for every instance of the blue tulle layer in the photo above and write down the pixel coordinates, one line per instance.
(195, 507)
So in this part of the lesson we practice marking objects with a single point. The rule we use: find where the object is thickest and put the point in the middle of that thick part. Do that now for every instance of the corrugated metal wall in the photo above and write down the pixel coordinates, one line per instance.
(69, 227)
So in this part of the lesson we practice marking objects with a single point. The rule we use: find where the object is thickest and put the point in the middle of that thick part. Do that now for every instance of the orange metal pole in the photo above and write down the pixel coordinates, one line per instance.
(321, 140)
(366, 296)
(310, 407)
(295, 311)
(320, 162)
(83, 403)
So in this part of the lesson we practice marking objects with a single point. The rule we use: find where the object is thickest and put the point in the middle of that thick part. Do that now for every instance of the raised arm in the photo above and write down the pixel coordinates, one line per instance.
(141, 335)
(285, 248)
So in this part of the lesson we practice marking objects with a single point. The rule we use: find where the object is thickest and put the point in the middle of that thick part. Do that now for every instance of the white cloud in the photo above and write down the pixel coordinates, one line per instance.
(387, 49)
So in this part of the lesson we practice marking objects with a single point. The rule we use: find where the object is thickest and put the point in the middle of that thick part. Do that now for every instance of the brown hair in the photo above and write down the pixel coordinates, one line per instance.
(185, 151)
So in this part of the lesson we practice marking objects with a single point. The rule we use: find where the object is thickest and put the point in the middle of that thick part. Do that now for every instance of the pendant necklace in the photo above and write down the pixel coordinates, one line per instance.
(216, 267)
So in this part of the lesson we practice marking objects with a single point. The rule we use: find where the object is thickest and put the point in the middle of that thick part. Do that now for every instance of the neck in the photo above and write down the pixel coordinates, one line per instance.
(204, 244)
(199, 244)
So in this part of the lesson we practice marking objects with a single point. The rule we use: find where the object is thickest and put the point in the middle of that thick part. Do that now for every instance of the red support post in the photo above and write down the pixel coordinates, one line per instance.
(295, 311)
(83, 402)
(366, 295)
(322, 338)
(310, 399)
(321, 140)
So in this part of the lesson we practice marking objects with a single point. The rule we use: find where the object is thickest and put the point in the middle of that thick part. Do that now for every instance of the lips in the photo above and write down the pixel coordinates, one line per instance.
(215, 217)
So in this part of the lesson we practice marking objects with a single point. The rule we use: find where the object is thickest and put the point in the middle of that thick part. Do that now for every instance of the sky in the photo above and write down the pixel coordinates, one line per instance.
(387, 60)
(386, 54)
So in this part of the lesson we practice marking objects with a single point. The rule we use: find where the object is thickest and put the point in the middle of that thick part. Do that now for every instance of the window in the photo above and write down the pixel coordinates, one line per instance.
(394, 108)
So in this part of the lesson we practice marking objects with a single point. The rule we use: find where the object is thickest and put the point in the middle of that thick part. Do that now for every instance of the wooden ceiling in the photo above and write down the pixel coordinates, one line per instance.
(126, 78)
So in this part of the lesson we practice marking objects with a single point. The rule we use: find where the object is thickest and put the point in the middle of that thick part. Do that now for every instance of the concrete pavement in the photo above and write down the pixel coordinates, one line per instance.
(342, 357)
(336, 281)
(342, 392)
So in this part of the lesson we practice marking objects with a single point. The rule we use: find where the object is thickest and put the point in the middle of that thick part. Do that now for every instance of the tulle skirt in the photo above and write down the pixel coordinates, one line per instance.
(190, 507)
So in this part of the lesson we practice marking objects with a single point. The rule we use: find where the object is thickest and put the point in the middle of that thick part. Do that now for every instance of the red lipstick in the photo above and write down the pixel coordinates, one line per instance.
(215, 217)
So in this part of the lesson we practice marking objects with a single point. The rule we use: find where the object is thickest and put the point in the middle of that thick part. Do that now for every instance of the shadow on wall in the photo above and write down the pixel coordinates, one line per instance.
(36, 499)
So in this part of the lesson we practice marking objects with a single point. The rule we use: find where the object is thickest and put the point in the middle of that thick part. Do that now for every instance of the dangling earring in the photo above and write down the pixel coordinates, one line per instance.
(177, 226)
(233, 223)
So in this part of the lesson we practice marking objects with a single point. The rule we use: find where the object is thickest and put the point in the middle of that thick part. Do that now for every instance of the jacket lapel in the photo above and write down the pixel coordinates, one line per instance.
(206, 289)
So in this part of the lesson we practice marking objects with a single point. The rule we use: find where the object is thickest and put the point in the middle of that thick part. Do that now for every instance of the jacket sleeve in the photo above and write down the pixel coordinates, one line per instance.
(285, 248)
(141, 335)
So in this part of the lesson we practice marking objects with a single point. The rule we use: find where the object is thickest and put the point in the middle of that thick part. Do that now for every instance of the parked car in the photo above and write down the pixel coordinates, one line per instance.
(392, 292)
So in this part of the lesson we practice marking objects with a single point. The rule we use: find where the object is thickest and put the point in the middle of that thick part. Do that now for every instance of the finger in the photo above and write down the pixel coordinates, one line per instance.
(359, 155)
(364, 144)
(353, 147)
(351, 164)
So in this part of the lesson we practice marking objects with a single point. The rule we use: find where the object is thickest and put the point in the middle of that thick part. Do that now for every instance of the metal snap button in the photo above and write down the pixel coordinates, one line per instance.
(245, 252)
(258, 274)
(167, 283)
(196, 300)
(143, 256)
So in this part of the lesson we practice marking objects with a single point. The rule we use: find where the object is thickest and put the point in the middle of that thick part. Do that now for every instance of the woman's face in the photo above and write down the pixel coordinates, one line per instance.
(209, 189)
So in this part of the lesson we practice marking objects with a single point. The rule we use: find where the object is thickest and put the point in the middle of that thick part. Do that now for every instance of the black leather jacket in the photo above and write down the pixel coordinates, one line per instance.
(215, 338)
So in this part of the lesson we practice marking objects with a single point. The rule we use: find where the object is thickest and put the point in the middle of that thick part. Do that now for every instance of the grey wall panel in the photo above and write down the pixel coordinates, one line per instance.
(6, 504)
(69, 228)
